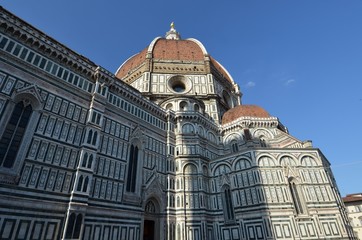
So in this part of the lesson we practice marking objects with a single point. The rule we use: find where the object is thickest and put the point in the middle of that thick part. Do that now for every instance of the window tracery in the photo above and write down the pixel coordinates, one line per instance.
(132, 169)
(13, 133)
(150, 207)
(228, 204)
(296, 196)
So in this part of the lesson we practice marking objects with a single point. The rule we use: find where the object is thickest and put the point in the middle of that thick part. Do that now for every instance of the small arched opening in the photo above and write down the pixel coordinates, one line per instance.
(151, 224)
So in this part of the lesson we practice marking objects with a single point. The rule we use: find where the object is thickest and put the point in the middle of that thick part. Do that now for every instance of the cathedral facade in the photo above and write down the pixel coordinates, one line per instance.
(162, 149)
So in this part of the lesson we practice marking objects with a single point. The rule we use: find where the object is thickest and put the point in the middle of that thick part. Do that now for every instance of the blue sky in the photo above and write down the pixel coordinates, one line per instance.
(300, 60)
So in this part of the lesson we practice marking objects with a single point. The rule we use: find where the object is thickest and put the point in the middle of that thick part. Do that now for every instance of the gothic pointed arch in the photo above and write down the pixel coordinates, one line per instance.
(135, 163)
(31, 95)
(297, 196)
(137, 137)
(153, 191)
(18, 123)
(228, 207)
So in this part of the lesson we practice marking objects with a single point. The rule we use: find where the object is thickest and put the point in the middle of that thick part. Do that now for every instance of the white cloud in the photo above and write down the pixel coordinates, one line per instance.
(250, 84)
(289, 82)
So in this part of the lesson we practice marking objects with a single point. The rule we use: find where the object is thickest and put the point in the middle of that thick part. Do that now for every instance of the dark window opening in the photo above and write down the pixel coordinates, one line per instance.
(179, 87)
(262, 142)
(234, 147)
(132, 169)
(228, 209)
(299, 208)
(80, 183)
(74, 226)
(84, 161)
(247, 134)
(90, 161)
(85, 185)
(13, 134)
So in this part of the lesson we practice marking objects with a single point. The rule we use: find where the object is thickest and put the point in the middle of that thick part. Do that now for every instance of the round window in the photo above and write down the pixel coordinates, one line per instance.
(179, 87)
(179, 84)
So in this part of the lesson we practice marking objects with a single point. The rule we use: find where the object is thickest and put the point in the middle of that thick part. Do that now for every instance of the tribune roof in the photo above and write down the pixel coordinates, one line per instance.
(244, 111)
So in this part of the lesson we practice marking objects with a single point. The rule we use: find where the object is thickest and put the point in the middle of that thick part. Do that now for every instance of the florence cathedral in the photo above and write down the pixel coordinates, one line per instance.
(161, 149)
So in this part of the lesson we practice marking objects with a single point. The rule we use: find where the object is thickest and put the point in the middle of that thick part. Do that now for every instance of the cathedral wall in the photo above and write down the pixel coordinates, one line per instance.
(259, 181)
(63, 167)
(85, 156)
(199, 83)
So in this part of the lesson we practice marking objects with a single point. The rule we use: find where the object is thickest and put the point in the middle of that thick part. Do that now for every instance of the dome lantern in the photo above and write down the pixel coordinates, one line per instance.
(173, 34)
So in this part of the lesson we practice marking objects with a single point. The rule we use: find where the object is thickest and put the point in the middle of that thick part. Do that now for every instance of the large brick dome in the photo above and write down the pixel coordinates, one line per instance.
(172, 55)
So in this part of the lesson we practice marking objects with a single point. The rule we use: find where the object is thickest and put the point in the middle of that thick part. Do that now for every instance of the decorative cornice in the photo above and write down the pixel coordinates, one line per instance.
(103, 76)
(42, 43)
(197, 117)
(251, 122)
(135, 96)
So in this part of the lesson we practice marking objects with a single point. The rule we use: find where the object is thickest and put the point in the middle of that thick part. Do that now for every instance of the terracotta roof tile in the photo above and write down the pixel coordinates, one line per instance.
(352, 198)
(186, 50)
(132, 63)
(244, 111)
(168, 49)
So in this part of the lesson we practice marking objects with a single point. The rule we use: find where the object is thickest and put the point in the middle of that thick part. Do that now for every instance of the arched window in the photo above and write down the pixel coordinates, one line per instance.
(287, 161)
(308, 161)
(221, 170)
(266, 161)
(188, 128)
(169, 106)
(234, 146)
(201, 131)
(228, 204)
(296, 197)
(84, 161)
(70, 226)
(78, 226)
(13, 134)
(150, 207)
(173, 232)
(90, 134)
(212, 137)
(90, 161)
(178, 235)
(190, 169)
(87, 160)
(242, 164)
(132, 169)
(178, 201)
(74, 226)
(85, 185)
(262, 142)
(247, 135)
(80, 183)
(95, 135)
(183, 106)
